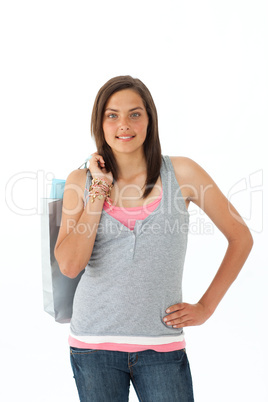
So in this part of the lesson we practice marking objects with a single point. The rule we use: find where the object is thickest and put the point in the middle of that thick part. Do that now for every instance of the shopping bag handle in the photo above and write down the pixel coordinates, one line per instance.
(85, 163)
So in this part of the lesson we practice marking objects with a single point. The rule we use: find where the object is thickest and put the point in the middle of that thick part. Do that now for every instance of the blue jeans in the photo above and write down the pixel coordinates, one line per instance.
(104, 376)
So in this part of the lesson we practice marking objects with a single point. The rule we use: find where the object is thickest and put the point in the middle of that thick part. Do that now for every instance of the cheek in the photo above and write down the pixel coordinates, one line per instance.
(142, 128)
(108, 129)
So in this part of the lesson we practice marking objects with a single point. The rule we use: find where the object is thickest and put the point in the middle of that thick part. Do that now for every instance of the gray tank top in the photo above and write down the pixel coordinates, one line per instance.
(134, 275)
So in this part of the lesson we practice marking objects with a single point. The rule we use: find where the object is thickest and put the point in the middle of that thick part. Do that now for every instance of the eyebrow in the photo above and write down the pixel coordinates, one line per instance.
(131, 110)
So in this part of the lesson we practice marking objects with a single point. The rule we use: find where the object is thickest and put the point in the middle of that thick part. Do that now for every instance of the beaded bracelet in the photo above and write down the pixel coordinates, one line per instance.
(100, 188)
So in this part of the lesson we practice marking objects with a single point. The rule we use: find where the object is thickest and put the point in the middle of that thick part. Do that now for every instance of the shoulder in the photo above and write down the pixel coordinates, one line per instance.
(182, 164)
(200, 188)
(185, 168)
(75, 185)
(77, 177)
(189, 174)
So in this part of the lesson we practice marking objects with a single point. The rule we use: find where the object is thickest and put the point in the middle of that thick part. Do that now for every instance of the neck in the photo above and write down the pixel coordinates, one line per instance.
(130, 165)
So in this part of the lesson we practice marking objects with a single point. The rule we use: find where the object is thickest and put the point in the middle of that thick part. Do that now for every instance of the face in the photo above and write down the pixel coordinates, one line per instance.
(125, 122)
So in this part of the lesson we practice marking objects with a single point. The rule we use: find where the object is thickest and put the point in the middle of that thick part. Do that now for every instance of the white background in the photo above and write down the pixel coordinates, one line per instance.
(205, 63)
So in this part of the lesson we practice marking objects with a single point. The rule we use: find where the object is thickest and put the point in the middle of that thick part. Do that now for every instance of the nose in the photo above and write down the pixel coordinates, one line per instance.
(124, 126)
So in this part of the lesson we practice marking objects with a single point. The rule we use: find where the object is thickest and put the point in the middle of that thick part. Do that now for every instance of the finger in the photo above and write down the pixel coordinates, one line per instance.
(97, 160)
(172, 317)
(183, 324)
(176, 307)
(100, 159)
(179, 320)
(175, 318)
(96, 155)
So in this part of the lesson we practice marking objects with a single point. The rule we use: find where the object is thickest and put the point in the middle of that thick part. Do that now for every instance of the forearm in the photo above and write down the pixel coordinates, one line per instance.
(234, 259)
(75, 250)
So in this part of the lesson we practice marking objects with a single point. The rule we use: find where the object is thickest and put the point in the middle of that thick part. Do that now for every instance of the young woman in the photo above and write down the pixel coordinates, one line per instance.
(126, 220)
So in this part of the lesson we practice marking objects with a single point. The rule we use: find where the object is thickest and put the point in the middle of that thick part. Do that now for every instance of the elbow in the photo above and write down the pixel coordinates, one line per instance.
(70, 272)
(251, 241)
(248, 244)
(245, 239)
(248, 240)
(67, 268)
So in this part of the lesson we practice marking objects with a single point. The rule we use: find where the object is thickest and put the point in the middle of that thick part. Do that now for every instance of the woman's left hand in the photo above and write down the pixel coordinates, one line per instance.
(186, 315)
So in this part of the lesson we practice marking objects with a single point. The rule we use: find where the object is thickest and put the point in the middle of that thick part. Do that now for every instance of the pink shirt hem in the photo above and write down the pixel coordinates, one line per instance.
(124, 347)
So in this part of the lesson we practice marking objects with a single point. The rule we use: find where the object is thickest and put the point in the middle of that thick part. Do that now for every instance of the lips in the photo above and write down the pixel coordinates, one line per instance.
(125, 137)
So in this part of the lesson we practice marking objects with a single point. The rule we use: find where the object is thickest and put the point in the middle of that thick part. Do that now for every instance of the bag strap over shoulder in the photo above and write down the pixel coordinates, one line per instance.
(85, 163)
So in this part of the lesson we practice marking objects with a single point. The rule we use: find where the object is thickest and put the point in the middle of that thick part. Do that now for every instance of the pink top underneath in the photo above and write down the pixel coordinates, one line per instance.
(128, 217)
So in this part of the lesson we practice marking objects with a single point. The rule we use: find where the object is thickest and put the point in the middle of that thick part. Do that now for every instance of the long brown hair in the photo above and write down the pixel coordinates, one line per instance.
(151, 146)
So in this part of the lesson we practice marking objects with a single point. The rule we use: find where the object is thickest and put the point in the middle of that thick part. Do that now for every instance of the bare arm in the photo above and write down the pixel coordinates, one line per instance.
(79, 225)
(194, 179)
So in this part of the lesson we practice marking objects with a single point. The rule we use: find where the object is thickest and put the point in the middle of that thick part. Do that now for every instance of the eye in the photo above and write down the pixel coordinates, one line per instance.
(135, 114)
(111, 116)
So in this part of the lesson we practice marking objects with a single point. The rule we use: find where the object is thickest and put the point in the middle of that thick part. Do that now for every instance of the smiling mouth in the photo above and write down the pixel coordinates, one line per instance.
(125, 137)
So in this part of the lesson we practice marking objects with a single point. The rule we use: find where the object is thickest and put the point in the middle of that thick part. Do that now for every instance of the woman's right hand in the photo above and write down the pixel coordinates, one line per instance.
(97, 168)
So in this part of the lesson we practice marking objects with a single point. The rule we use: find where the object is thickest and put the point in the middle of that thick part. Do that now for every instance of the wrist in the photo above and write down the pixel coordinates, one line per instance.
(208, 310)
(101, 176)
(100, 189)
